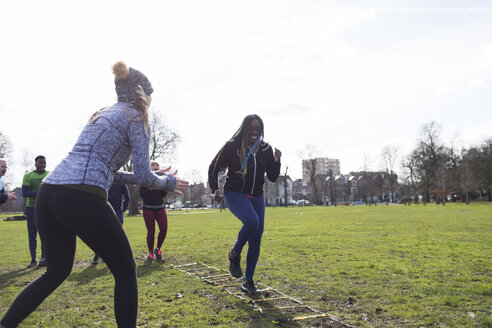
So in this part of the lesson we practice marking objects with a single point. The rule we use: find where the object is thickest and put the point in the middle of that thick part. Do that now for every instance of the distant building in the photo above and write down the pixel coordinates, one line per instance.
(276, 192)
(300, 189)
(375, 186)
(322, 166)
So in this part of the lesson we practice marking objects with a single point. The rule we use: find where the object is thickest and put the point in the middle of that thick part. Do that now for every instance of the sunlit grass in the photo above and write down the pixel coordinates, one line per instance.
(373, 266)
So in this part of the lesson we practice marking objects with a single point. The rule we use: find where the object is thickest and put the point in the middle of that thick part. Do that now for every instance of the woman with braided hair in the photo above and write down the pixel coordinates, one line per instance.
(247, 158)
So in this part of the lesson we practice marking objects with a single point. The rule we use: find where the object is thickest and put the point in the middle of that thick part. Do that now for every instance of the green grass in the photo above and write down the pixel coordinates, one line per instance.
(418, 266)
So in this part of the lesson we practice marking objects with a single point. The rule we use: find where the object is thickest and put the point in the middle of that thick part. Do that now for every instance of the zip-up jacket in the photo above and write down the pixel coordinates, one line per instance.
(104, 146)
(3, 194)
(152, 199)
(258, 164)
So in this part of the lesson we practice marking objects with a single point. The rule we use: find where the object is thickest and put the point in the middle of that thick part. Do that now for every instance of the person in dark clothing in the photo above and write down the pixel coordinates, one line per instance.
(247, 158)
(118, 198)
(154, 210)
(4, 196)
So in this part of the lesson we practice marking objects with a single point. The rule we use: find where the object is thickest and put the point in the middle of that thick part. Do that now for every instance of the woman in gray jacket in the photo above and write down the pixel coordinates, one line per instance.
(72, 202)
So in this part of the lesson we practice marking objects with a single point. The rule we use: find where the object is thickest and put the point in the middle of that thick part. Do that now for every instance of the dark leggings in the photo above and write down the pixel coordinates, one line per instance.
(150, 216)
(62, 214)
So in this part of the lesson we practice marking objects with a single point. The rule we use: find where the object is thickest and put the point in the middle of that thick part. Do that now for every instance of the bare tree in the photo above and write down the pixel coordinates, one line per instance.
(467, 178)
(426, 157)
(163, 141)
(389, 156)
(5, 146)
(309, 166)
(483, 165)
(194, 177)
(284, 182)
(27, 160)
(409, 168)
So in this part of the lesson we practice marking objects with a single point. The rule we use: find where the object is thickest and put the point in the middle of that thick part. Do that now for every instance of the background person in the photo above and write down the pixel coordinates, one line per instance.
(247, 158)
(118, 198)
(72, 201)
(154, 210)
(4, 196)
(30, 185)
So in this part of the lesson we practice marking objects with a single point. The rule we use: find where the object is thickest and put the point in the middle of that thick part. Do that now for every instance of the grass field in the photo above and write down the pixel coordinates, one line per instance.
(384, 266)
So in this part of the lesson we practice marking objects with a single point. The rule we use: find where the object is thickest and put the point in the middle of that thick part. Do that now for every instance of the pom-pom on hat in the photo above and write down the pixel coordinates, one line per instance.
(127, 81)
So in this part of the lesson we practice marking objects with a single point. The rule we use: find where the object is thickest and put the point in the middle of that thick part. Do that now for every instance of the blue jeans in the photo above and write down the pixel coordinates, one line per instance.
(251, 212)
(32, 232)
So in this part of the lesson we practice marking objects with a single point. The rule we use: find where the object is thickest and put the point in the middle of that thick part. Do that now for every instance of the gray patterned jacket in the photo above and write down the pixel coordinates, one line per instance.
(104, 146)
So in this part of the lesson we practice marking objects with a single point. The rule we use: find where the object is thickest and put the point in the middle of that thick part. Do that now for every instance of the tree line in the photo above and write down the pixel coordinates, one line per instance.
(432, 171)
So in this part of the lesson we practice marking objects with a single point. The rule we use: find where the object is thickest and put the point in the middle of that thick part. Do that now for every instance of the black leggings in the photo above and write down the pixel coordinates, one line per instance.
(62, 214)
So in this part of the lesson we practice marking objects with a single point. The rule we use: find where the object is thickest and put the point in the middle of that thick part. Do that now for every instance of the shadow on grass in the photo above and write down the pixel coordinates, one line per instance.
(95, 271)
(6, 278)
(145, 268)
(89, 273)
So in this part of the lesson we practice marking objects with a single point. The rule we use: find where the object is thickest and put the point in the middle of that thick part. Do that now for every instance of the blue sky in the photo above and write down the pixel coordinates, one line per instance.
(349, 77)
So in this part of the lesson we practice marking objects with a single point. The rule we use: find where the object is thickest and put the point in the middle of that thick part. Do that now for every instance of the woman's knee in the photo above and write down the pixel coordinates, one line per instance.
(252, 223)
(123, 268)
(59, 274)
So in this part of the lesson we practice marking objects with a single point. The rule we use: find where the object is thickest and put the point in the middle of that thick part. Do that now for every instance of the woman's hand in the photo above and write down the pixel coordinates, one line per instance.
(218, 195)
(277, 155)
(11, 196)
(180, 185)
(165, 170)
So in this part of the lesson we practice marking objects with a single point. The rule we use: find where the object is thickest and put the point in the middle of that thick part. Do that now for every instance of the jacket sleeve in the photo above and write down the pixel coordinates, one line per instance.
(219, 162)
(126, 197)
(3, 196)
(26, 187)
(273, 168)
(26, 192)
(144, 192)
(139, 141)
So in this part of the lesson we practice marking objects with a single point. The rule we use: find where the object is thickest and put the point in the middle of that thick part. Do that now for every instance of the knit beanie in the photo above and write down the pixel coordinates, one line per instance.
(126, 82)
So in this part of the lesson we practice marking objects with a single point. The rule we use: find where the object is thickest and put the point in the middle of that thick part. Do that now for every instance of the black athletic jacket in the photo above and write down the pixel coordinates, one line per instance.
(259, 163)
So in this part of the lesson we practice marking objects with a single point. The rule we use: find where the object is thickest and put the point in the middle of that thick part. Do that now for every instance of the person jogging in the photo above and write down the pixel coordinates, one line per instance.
(71, 202)
(154, 210)
(30, 185)
(247, 158)
(118, 198)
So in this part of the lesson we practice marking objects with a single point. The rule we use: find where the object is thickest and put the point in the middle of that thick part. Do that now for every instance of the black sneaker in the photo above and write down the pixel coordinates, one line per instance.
(158, 254)
(249, 286)
(33, 263)
(42, 263)
(235, 265)
(95, 260)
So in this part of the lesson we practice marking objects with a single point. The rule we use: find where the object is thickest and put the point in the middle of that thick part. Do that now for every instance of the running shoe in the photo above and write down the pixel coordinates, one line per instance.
(33, 263)
(42, 263)
(235, 265)
(150, 257)
(158, 253)
(249, 286)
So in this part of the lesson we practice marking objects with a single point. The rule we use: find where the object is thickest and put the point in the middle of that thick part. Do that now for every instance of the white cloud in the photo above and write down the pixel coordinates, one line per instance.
(348, 79)
(476, 83)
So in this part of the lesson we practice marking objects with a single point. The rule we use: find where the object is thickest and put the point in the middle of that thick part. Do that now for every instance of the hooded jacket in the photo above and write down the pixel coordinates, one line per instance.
(258, 164)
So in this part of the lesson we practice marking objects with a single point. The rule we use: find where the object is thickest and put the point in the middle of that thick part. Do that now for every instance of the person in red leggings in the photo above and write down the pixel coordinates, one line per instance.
(154, 210)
